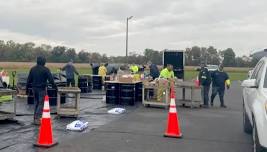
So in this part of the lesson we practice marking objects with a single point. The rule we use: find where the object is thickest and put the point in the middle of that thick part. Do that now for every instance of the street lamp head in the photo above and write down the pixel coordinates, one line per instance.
(130, 17)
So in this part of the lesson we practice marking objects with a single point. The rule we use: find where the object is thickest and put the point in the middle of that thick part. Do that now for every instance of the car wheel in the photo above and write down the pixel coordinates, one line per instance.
(246, 123)
(256, 145)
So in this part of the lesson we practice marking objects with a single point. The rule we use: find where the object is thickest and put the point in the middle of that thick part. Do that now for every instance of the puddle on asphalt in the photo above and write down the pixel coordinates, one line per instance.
(19, 135)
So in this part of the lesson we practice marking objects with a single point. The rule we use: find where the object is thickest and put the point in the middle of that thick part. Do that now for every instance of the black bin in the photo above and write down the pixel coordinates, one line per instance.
(85, 83)
(112, 93)
(138, 92)
(127, 94)
(97, 82)
(52, 94)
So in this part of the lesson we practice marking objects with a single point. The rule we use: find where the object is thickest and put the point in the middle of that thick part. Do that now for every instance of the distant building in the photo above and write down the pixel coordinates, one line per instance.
(259, 53)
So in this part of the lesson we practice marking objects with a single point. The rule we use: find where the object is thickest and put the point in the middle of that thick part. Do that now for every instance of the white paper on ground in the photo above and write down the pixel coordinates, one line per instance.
(77, 125)
(116, 111)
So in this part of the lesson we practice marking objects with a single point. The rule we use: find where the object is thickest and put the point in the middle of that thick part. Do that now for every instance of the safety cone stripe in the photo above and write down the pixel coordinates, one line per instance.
(172, 102)
(46, 105)
(45, 138)
(46, 110)
(172, 110)
(46, 115)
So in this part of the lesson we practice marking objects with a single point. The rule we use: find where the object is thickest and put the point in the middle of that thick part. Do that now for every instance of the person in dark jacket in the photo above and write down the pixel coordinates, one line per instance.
(70, 71)
(220, 79)
(95, 67)
(204, 78)
(37, 79)
(154, 71)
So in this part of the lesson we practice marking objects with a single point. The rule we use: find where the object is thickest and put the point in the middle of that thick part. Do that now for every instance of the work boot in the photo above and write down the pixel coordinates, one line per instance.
(223, 106)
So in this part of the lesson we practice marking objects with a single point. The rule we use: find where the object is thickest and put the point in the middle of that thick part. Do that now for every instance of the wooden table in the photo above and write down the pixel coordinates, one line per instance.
(4, 114)
(191, 86)
(68, 111)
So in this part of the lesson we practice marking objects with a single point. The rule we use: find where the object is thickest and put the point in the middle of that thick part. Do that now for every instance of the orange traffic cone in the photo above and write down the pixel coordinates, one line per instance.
(173, 128)
(45, 138)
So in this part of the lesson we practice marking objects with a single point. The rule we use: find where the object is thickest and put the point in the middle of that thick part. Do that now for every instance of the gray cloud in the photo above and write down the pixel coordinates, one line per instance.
(100, 25)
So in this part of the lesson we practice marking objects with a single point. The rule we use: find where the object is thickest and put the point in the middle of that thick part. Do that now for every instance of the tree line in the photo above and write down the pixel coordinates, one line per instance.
(11, 51)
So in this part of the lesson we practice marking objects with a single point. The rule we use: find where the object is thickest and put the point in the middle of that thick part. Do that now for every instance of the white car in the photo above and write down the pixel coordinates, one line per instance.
(209, 67)
(255, 105)
(212, 67)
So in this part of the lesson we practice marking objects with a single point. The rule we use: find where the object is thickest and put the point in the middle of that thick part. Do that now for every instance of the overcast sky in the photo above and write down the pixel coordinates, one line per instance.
(100, 25)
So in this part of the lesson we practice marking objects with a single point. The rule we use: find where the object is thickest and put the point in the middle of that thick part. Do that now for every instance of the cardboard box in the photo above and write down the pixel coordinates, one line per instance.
(126, 78)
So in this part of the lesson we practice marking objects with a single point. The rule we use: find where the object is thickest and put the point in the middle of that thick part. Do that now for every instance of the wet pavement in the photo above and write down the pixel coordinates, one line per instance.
(19, 135)
(204, 130)
(139, 129)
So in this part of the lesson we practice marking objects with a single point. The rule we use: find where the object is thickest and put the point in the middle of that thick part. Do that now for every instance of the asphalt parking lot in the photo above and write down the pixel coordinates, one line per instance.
(19, 136)
(204, 130)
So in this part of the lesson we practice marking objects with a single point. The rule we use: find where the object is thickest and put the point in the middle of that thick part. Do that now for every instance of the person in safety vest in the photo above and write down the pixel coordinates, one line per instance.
(167, 72)
(134, 69)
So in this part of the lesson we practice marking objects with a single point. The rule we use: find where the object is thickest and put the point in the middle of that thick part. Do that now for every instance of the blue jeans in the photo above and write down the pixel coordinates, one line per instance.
(205, 94)
(39, 94)
(220, 91)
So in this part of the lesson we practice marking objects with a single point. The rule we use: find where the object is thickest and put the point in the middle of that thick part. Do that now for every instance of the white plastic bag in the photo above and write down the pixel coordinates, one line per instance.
(116, 111)
(77, 125)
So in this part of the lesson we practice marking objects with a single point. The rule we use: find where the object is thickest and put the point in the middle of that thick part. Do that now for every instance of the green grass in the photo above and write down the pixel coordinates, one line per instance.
(53, 70)
(234, 76)
(189, 73)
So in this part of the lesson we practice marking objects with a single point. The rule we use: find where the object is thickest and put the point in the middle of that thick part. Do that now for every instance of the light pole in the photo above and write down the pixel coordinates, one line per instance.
(128, 18)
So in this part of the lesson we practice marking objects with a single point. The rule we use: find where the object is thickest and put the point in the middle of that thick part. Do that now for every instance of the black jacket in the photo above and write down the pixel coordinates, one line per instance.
(154, 71)
(39, 75)
(204, 77)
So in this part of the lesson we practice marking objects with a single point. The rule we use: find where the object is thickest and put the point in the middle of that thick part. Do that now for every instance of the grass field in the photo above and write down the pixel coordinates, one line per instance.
(234, 76)
(190, 72)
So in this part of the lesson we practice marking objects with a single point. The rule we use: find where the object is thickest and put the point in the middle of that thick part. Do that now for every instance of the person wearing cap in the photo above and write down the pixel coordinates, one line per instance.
(167, 72)
(204, 78)
(220, 79)
(37, 79)
(70, 71)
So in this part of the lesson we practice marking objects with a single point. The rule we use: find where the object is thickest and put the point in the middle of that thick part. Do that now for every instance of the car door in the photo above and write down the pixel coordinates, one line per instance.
(251, 93)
